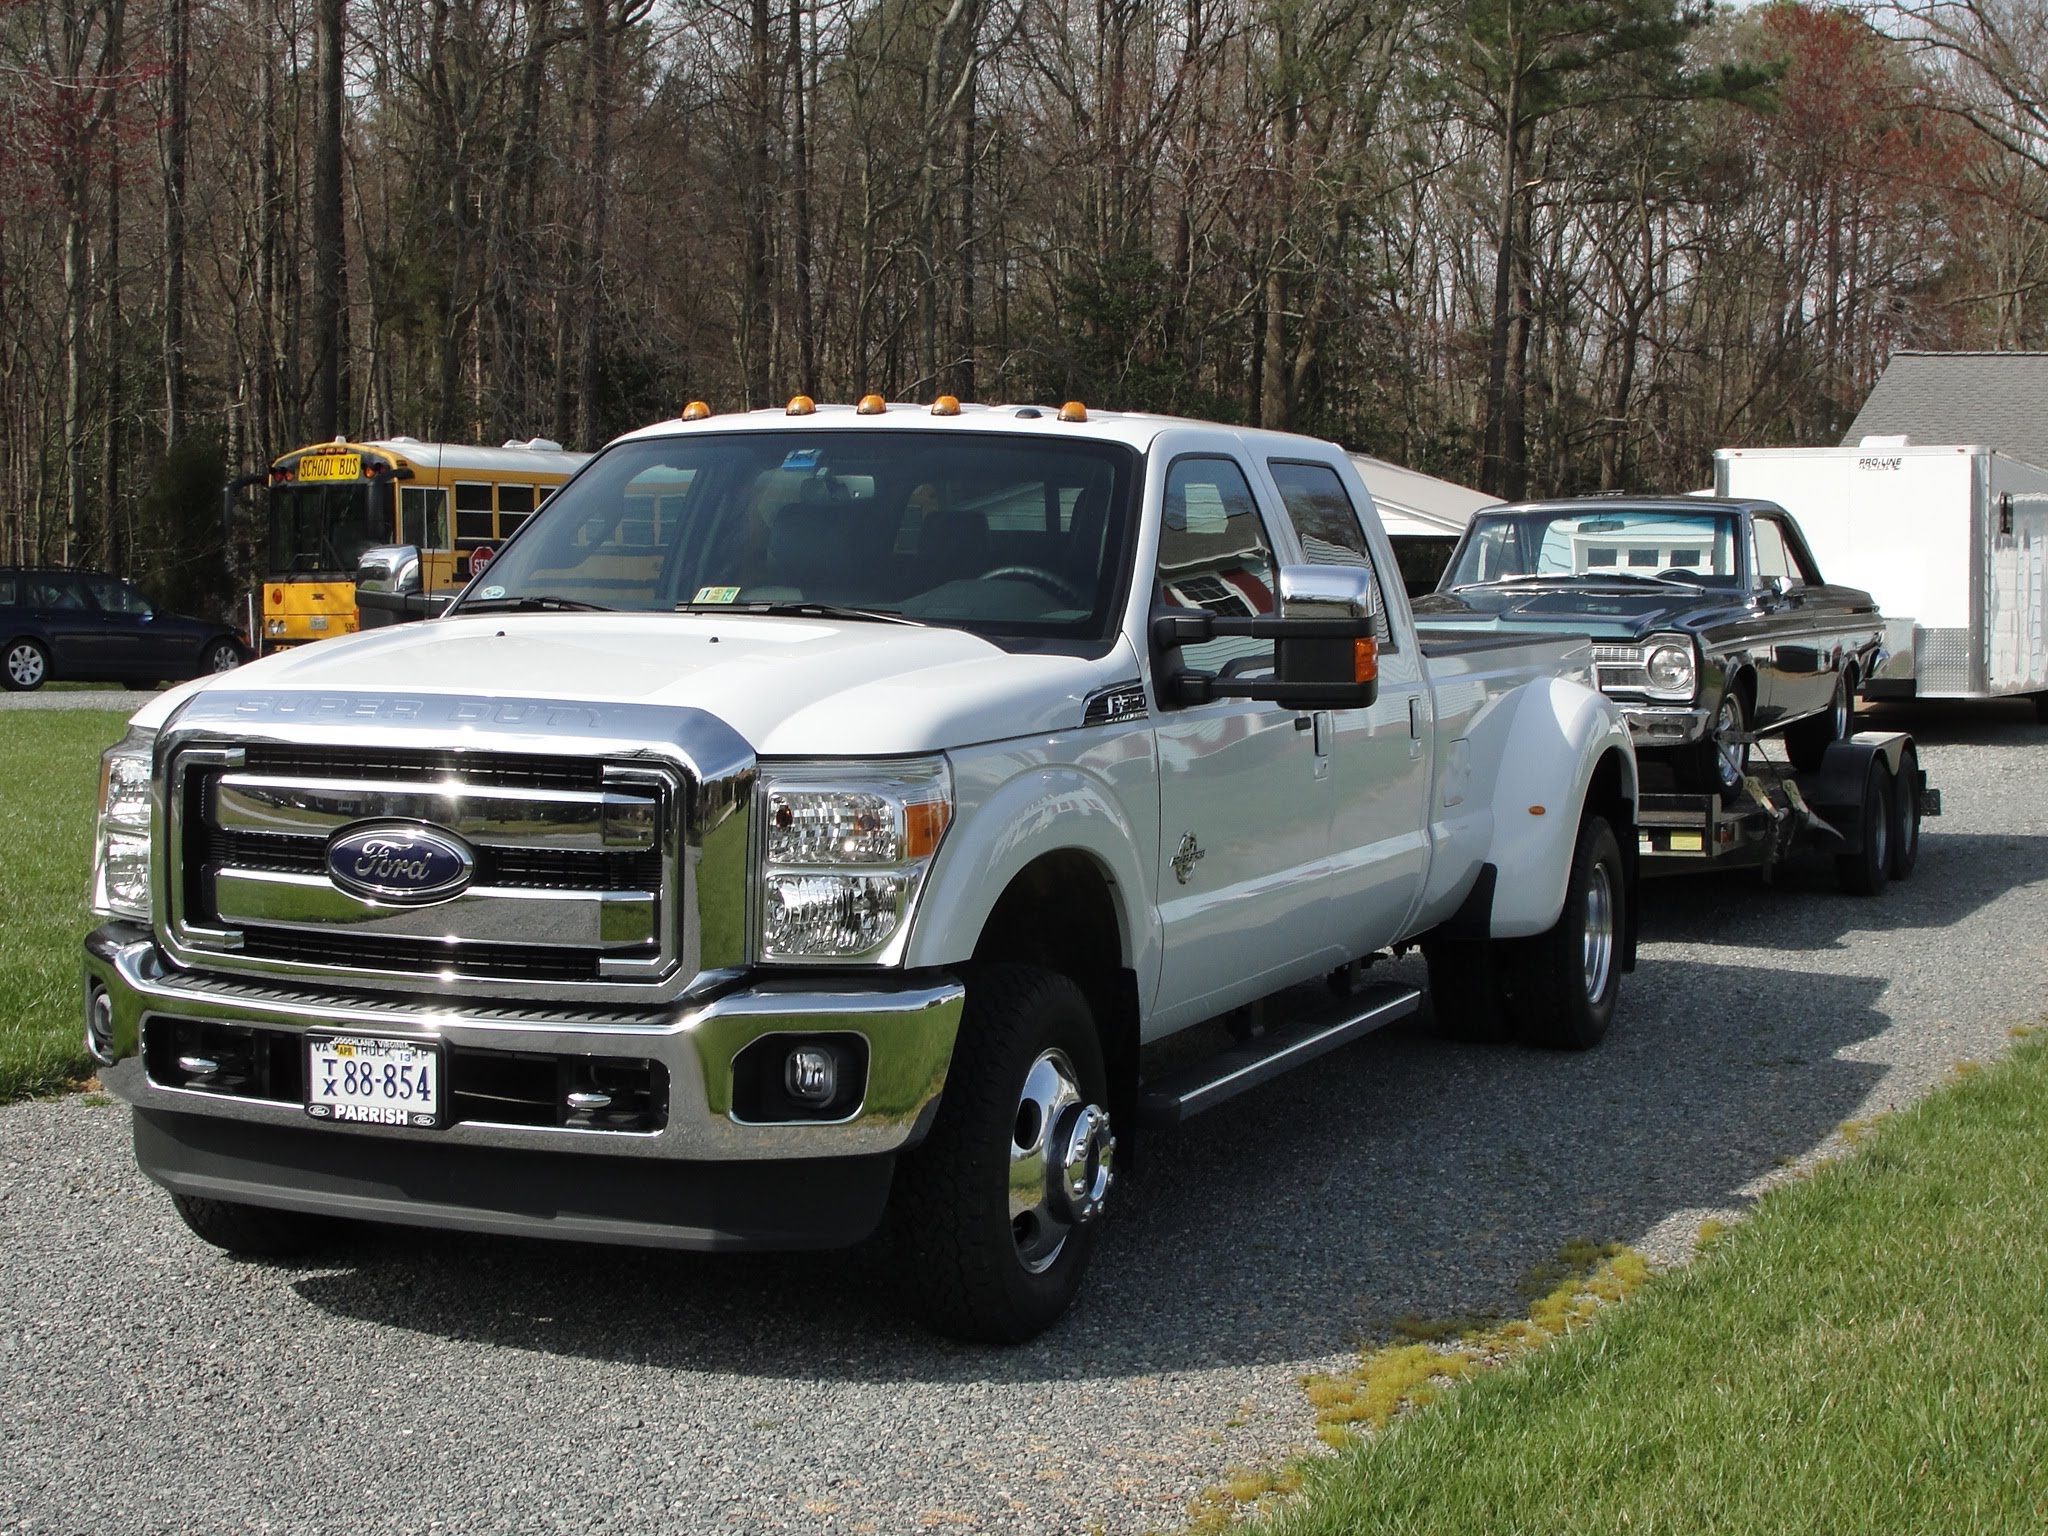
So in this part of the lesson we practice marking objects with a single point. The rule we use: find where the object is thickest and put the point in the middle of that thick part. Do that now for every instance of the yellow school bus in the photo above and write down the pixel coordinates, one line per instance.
(328, 503)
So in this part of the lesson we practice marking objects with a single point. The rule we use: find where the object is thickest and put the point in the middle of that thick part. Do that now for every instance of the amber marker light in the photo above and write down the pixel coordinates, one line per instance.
(924, 823)
(801, 405)
(1073, 410)
(946, 405)
(1365, 659)
(696, 410)
(871, 405)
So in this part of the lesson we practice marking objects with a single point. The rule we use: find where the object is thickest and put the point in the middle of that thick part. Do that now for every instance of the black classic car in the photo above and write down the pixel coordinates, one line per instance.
(1709, 619)
(79, 626)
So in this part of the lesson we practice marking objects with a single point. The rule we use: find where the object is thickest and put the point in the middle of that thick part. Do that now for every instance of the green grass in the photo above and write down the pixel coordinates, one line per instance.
(1867, 1354)
(49, 782)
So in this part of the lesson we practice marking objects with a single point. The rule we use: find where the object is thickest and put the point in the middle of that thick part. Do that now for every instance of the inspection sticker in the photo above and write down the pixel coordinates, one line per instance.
(716, 595)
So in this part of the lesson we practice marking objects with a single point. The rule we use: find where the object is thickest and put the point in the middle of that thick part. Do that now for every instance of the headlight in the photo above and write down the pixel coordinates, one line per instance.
(120, 855)
(844, 852)
(1662, 667)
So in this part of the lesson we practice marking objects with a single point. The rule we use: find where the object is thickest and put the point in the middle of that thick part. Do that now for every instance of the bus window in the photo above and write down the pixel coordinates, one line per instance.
(473, 523)
(423, 516)
(515, 505)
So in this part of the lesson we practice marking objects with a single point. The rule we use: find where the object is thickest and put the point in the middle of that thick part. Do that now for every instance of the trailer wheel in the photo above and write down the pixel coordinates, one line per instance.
(1807, 741)
(1466, 990)
(997, 1212)
(1562, 985)
(1906, 815)
(1864, 872)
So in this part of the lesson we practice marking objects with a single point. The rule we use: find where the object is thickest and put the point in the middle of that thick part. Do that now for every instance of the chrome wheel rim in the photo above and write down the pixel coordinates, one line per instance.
(225, 659)
(1881, 835)
(25, 666)
(1598, 932)
(1908, 811)
(1062, 1161)
(1731, 758)
(1841, 710)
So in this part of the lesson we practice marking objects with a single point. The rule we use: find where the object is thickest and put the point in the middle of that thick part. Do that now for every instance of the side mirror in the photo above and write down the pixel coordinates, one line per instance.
(1325, 643)
(388, 587)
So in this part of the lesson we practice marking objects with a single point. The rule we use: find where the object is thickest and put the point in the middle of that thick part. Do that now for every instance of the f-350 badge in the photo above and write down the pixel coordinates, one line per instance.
(1184, 861)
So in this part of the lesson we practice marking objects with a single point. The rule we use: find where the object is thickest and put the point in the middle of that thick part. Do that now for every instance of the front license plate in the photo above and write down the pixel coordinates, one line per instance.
(369, 1080)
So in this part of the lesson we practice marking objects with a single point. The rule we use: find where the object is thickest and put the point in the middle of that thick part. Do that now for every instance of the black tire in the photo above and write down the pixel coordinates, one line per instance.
(1807, 741)
(1563, 984)
(1465, 991)
(1864, 872)
(24, 667)
(256, 1231)
(139, 684)
(1714, 765)
(221, 656)
(978, 1262)
(2041, 708)
(1905, 850)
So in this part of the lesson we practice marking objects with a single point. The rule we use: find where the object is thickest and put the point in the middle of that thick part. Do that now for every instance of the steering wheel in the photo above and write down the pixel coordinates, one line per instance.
(1054, 583)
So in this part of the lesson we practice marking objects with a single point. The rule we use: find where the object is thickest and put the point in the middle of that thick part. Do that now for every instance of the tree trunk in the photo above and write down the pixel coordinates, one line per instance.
(178, 19)
(330, 272)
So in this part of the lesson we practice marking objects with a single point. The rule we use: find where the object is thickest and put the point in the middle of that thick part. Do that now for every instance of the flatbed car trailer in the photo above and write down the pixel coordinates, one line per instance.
(1862, 806)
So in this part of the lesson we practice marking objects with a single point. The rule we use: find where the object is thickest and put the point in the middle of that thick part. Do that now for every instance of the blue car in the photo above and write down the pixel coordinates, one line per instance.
(79, 626)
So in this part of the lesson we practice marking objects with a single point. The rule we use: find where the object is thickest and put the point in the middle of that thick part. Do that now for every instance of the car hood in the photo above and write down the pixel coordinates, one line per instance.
(791, 687)
(1595, 610)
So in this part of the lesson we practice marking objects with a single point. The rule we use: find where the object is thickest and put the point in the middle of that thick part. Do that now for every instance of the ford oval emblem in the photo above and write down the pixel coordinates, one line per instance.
(402, 862)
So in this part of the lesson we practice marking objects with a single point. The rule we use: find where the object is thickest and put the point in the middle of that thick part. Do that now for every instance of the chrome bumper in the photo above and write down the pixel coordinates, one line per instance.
(908, 1022)
(1665, 725)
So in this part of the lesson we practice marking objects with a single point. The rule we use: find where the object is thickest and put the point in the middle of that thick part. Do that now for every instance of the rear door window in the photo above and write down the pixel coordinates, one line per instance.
(1327, 522)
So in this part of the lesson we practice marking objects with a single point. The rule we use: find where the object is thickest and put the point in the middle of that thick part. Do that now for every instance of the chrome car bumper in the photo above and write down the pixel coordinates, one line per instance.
(1665, 725)
(702, 1159)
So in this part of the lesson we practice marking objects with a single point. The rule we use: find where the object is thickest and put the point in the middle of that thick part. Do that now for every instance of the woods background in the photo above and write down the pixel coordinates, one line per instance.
(1534, 245)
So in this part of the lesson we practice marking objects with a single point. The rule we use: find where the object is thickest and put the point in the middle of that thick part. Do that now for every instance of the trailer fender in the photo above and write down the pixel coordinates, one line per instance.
(1835, 789)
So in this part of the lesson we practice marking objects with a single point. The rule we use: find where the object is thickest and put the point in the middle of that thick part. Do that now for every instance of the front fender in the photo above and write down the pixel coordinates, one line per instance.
(1550, 750)
(1012, 812)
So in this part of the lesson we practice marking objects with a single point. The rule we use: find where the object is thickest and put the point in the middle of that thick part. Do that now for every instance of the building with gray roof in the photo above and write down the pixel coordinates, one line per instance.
(1996, 399)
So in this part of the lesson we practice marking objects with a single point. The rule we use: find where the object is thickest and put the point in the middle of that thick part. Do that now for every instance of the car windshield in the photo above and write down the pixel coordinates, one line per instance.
(1016, 538)
(1540, 544)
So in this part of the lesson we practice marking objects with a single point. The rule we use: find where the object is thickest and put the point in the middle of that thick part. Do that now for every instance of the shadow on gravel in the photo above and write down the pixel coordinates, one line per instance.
(1804, 907)
(1958, 722)
(1401, 1176)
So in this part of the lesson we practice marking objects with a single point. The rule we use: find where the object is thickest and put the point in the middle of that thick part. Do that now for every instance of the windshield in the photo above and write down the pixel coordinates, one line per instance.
(318, 529)
(1694, 548)
(1011, 537)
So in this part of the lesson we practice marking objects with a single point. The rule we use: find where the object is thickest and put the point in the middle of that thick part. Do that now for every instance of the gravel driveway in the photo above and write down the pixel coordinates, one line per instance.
(422, 1382)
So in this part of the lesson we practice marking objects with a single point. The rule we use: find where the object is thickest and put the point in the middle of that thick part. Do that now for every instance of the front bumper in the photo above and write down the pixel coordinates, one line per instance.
(705, 1165)
(1665, 725)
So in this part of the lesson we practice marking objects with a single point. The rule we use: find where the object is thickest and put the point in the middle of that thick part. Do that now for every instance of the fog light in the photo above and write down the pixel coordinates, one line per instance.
(811, 1075)
(99, 1026)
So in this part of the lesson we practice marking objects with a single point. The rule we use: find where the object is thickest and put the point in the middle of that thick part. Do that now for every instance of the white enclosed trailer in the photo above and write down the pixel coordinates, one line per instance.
(1951, 540)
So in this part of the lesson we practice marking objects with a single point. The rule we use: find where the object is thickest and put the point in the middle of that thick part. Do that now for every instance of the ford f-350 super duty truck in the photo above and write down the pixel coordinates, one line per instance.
(817, 815)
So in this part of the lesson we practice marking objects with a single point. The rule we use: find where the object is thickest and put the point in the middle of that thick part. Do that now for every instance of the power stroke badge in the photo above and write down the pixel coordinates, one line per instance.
(404, 863)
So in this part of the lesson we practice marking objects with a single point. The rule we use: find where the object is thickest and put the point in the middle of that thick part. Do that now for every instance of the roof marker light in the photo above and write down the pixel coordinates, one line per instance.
(801, 405)
(1073, 410)
(696, 410)
(946, 405)
(871, 405)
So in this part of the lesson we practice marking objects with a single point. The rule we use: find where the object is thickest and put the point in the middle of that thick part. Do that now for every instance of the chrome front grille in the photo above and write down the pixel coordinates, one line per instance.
(577, 882)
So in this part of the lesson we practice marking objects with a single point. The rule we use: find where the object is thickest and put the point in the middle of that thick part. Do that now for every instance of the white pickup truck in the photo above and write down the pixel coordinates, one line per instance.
(818, 815)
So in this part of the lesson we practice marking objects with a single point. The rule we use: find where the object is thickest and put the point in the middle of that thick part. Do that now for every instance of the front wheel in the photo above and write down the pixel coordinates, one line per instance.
(255, 1231)
(998, 1211)
(1563, 984)
(1720, 763)
(25, 667)
(1807, 741)
(221, 656)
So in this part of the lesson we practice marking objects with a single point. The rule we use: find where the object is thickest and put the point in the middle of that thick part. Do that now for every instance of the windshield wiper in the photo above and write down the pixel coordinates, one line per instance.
(533, 605)
(1583, 579)
(796, 610)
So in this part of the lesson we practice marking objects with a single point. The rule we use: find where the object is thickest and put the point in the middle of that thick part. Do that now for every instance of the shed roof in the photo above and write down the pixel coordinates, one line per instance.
(1998, 399)
(1412, 502)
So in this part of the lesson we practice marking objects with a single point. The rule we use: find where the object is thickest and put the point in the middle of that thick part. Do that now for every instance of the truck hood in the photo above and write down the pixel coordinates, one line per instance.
(791, 687)
(1607, 612)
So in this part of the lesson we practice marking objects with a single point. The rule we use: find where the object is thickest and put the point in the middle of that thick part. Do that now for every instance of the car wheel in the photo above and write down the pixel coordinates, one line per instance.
(221, 656)
(1807, 741)
(1905, 851)
(1720, 762)
(1563, 984)
(998, 1211)
(256, 1231)
(138, 684)
(1864, 872)
(25, 667)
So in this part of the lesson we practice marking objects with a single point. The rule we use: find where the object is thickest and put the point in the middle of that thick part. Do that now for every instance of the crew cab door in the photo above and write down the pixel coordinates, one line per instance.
(1379, 757)
(1245, 798)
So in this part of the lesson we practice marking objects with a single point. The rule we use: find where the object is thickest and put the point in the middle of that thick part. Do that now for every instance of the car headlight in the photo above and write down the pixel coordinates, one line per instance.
(120, 855)
(1663, 667)
(844, 852)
